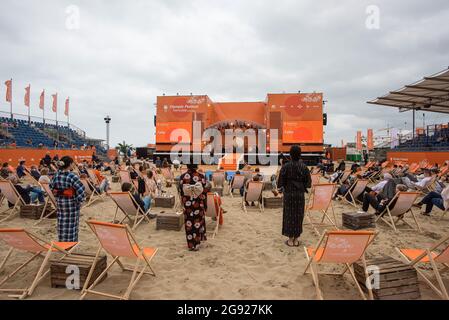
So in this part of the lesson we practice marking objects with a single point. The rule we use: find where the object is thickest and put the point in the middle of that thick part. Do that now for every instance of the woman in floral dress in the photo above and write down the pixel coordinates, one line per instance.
(194, 199)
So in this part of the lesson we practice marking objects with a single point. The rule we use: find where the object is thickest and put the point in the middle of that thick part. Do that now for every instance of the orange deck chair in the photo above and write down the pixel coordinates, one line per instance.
(237, 183)
(403, 205)
(124, 176)
(218, 179)
(119, 241)
(92, 194)
(320, 200)
(315, 170)
(214, 210)
(22, 240)
(355, 191)
(9, 192)
(419, 257)
(50, 202)
(315, 179)
(339, 247)
(253, 194)
(132, 211)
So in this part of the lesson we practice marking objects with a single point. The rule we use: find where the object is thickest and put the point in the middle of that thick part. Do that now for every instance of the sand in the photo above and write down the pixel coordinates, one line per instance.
(248, 259)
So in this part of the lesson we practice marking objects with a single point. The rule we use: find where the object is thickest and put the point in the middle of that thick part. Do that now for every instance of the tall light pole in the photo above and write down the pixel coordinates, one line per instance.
(107, 120)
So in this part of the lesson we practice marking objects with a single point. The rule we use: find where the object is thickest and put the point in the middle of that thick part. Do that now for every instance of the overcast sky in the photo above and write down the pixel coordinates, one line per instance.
(125, 53)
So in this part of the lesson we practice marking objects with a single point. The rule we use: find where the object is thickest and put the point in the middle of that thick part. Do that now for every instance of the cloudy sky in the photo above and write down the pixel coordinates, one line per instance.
(119, 55)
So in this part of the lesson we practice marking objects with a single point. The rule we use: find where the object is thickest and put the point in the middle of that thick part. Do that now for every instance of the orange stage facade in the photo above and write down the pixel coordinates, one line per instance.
(297, 117)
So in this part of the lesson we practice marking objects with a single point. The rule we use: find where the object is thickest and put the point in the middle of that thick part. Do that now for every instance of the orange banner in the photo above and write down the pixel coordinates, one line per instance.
(302, 131)
(370, 139)
(33, 156)
(359, 141)
(164, 132)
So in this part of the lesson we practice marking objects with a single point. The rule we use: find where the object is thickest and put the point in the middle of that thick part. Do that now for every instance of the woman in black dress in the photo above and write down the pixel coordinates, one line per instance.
(294, 180)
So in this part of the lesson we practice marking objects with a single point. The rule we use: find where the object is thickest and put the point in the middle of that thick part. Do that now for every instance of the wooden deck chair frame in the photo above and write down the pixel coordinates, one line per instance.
(390, 212)
(28, 175)
(314, 260)
(428, 256)
(350, 192)
(128, 215)
(260, 198)
(49, 202)
(94, 193)
(323, 209)
(344, 177)
(37, 246)
(16, 205)
(142, 254)
(212, 211)
(240, 184)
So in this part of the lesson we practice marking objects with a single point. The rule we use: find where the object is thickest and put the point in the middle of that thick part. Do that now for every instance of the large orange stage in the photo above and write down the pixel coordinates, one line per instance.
(297, 117)
(33, 156)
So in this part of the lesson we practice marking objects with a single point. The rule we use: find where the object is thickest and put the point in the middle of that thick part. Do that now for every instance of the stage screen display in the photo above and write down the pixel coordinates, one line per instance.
(165, 129)
(302, 131)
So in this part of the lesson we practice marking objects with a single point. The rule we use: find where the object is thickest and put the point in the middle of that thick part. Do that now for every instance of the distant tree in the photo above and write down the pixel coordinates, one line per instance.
(124, 148)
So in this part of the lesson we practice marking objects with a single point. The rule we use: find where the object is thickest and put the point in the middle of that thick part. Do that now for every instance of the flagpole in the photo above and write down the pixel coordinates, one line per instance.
(10, 102)
(43, 109)
(57, 127)
(29, 98)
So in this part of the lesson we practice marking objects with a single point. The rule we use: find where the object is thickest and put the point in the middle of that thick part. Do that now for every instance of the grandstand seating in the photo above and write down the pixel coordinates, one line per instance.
(435, 138)
(23, 132)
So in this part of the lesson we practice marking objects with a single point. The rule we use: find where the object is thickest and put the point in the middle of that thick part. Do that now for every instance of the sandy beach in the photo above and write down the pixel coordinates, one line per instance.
(248, 259)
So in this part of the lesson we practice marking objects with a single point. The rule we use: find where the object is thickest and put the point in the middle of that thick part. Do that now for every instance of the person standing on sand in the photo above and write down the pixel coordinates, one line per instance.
(294, 180)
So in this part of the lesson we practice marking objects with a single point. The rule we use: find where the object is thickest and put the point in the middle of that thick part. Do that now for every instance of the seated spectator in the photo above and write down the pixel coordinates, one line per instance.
(433, 198)
(44, 178)
(144, 203)
(255, 178)
(341, 166)
(421, 183)
(258, 173)
(5, 170)
(20, 170)
(35, 173)
(28, 193)
(104, 182)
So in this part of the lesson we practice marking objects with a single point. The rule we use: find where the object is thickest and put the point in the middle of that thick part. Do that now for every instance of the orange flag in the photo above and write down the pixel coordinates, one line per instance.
(359, 141)
(370, 141)
(27, 96)
(8, 84)
(42, 100)
(55, 102)
(66, 111)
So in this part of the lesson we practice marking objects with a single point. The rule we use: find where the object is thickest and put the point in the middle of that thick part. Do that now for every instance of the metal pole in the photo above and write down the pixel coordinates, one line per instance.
(413, 132)
(10, 102)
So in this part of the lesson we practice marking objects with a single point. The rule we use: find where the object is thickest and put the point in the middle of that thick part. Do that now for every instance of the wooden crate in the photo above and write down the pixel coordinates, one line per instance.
(273, 202)
(169, 221)
(34, 211)
(218, 190)
(164, 201)
(115, 179)
(397, 280)
(83, 262)
(356, 221)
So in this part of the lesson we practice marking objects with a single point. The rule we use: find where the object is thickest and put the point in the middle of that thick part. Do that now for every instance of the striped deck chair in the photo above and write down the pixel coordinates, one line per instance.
(320, 200)
(119, 241)
(25, 241)
(402, 205)
(355, 191)
(253, 193)
(214, 210)
(50, 202)
(132, 211)
(9, 192)
(339, 247)
(344, 177)
(237, 183)
(426, 257)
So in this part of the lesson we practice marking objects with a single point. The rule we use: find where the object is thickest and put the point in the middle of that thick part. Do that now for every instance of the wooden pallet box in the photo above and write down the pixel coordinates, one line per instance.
(34, 211)
(169, 221)
(357, 221)
(273, 202)
(115, 179)
(84, 262)
(164, 201)
(397, 280)
(218, 190)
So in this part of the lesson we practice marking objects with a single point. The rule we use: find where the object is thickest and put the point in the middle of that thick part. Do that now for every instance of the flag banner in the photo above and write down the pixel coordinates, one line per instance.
(66, 111)
(55, 102)
(26, 99)
(42, 100)
(8, 84)
(370, 140)
(359, 141)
